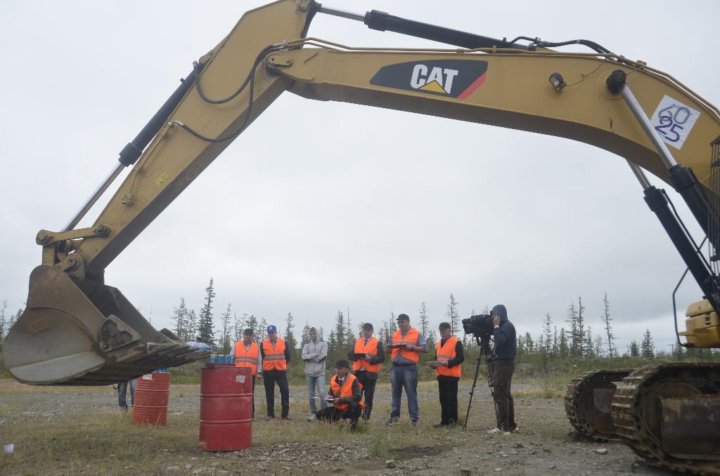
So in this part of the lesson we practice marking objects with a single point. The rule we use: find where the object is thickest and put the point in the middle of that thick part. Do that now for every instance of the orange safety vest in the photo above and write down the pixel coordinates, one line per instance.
(245, 357)
(412, 337)
(370, 348)
(445, 353)
(274, 355)
(344, 391)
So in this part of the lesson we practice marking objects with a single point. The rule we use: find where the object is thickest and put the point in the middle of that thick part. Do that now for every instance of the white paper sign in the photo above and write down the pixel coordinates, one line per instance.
(240, 378)
(674, 120)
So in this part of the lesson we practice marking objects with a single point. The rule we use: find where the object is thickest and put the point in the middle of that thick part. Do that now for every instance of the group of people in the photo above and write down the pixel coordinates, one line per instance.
(351, 390)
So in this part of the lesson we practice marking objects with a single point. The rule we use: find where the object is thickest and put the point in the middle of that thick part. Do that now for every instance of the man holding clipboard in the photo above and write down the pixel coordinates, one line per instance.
(367, 355)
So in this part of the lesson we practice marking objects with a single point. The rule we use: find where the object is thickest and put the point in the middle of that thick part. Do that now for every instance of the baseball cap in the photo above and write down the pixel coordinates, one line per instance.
(403, 317)
(271, 329)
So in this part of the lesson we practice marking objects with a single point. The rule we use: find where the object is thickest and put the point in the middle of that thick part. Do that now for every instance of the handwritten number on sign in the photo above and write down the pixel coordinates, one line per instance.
(671, 120)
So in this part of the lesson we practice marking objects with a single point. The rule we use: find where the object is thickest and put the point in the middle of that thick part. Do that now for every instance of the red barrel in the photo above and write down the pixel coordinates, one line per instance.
(151, 399)
(225, 407)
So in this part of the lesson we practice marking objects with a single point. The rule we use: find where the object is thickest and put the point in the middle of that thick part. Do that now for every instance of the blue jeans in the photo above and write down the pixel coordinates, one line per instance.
(122, 393)
(316, 388)
(404, 377)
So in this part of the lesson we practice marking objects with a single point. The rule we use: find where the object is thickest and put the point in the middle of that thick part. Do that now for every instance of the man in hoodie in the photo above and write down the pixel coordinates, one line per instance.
(314, 353)
(505, 351)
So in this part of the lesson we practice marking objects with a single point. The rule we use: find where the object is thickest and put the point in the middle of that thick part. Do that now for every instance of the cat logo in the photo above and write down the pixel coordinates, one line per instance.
(438, 80)
(454, 78)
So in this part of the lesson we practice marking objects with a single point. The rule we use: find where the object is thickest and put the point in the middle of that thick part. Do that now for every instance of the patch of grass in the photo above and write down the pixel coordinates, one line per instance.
(95, 444)
(92, 437)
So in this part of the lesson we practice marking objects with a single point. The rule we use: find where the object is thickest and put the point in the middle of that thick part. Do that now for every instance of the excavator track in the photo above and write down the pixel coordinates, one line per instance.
(587, 403)
(668, 414)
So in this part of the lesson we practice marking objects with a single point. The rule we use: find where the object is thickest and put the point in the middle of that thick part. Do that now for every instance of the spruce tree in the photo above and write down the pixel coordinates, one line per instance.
(426, 330)
(589, 345)
(647, 347)
(206, 327)
(521, 345)
(572, 333)
(290, 340)
(634, 349)
(250, 322)
(423, 317)
(529, 344)
(332, 345)
(349, 335)
(192, 325)
(563, 350)
(340, 331)
(581, 332)
(180, 318)
(384, 333)
(226, 331)
(453, 315)
(608, 327)
(546, 341)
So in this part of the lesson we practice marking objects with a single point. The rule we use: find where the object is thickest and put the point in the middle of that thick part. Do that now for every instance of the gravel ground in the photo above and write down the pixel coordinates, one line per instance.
(543, 444)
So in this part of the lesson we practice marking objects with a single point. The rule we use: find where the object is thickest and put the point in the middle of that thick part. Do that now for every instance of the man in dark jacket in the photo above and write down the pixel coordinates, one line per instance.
(505, 351)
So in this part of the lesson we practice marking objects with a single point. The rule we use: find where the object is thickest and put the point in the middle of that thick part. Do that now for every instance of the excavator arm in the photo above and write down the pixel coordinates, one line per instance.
(75, 329)
(78, 330)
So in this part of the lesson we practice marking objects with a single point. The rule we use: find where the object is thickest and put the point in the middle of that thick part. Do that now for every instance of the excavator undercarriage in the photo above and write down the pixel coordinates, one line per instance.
(669, 414)
(588, 400)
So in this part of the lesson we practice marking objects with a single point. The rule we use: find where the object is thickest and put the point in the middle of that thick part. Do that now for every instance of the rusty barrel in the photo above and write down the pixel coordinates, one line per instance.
(151, 399)
(226, 400)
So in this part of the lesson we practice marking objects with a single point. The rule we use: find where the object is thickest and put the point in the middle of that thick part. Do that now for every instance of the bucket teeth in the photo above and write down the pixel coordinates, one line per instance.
(159, 357)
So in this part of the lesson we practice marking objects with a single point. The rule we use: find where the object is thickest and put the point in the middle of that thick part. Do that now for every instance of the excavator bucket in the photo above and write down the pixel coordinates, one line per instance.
(86, 333)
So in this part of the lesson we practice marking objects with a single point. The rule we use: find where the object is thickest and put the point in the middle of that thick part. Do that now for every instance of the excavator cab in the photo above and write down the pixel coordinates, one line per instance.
(702, 325)
(86, 333)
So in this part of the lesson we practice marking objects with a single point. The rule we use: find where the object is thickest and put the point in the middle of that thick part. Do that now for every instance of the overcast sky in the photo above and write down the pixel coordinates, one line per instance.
(320, 207)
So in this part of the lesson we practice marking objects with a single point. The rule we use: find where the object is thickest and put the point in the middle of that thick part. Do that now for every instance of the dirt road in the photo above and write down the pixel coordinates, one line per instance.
(543, 445)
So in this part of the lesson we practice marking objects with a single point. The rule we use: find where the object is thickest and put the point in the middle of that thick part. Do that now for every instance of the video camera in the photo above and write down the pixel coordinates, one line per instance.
(481, 327)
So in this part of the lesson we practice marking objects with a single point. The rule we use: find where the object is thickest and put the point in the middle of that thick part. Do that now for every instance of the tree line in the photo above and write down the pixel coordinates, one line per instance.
(577, 340)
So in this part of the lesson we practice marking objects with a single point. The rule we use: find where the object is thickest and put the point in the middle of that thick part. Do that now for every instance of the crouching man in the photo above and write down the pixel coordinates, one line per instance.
(345, 396)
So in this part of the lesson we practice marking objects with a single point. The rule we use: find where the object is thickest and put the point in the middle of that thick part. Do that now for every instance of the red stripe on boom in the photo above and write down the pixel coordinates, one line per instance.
(471, 89)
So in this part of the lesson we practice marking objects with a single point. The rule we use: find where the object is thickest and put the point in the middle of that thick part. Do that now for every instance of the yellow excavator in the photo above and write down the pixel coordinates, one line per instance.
(77, 330)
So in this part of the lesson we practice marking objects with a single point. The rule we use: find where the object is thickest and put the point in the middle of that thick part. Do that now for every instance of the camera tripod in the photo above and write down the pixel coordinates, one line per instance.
(485, 350)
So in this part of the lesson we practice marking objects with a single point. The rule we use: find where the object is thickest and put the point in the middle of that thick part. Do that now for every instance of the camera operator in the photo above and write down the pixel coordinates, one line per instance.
(505, 351)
